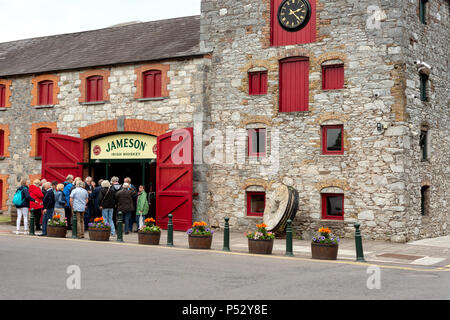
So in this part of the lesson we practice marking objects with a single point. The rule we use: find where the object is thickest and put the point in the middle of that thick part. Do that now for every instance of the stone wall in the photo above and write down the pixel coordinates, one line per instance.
(372, 173)
(184, 97)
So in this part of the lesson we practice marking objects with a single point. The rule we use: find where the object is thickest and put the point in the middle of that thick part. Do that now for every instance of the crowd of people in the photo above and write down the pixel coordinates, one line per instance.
(85, 199)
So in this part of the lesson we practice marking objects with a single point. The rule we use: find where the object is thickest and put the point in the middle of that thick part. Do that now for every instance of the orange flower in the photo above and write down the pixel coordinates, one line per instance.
(262, 225)
(98, 220)
(57, 217)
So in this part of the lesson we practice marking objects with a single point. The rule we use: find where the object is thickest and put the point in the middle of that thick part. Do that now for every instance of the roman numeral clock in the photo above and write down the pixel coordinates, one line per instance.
(294, 15)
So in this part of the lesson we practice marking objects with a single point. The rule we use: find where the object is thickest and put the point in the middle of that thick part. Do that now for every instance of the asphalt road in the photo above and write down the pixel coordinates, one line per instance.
(36, 268)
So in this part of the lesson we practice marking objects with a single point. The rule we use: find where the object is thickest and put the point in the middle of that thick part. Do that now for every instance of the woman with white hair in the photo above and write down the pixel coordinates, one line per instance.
(106, 202)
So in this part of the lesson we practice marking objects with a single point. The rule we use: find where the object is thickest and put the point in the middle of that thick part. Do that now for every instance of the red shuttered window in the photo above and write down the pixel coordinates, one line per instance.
(333, 140)
(333, 206)
(45, 93)
(2, 143)
(40, 140)
(94, 92)
(257, 142)
(152, 84)
(333, 77)
(256, 202)
(257, 82)
(2, 96)
(294, 84)
(281, 37)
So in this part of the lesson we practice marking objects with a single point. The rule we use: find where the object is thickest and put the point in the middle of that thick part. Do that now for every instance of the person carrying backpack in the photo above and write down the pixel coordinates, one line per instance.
(22, 200)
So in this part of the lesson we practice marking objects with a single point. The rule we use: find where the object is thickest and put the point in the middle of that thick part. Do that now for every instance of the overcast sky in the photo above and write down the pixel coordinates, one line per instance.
(23, 19)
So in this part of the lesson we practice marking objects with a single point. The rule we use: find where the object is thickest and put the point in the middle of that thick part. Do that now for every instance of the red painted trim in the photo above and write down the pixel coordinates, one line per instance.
(94, 89)
(45, 93)
(324, 140)
(40, 140)
(152, 84)
(251, 141)
(249, 203)
(324, 206)
(333, 77)
(2, 145)
(294, 84)
(2, 96)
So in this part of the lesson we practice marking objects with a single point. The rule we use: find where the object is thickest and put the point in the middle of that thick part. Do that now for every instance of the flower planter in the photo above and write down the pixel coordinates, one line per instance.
(200, 242)
(260, 246)
(56, 231)
(324, 251)
(151, 238)
(99, 234)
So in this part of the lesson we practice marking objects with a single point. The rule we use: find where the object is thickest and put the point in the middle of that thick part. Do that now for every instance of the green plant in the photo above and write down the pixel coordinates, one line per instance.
(150, 226)
(324, 236)
(56, 221)
(261, 233)
(200, 229)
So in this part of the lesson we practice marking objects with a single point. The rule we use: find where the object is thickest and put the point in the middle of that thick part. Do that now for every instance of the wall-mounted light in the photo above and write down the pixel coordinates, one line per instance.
(379, 127)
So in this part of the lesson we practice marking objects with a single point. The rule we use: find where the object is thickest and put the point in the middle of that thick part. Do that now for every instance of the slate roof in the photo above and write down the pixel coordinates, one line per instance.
(146, 41)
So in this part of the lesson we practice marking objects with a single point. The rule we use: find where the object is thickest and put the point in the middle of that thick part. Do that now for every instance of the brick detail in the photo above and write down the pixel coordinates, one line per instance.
(33, 132)
(342, 184)
(7, 84)
(96, 72)
(98, 129)
(7, 132)
(35, 88)
(248, 119)
(32, 177)
(256, 182)
(4, 178)
(165, 80)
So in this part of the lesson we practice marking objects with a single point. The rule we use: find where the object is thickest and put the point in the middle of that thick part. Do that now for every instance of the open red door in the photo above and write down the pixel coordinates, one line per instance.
(60, 157)
(174, 178)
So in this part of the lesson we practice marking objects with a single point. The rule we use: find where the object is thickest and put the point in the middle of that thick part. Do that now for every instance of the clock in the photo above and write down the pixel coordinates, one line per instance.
(294, 15)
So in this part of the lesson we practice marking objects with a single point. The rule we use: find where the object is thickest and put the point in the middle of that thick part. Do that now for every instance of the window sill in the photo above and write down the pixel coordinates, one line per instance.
(91, 103)
(332, 219)
(49, 106)
(37, 158)
(3, 109)
(152, 99)
(2, 158)
(332, 155)
(255, 217)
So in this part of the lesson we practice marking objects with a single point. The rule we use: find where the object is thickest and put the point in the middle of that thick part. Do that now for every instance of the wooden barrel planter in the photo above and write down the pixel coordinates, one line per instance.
(324, 251)
(150, 238)
(56, 231)
(99, 234)
(200, 242)
(260, 246)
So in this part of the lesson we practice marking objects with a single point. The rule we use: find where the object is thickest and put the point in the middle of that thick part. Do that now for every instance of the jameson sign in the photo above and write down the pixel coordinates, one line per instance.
(124, 146)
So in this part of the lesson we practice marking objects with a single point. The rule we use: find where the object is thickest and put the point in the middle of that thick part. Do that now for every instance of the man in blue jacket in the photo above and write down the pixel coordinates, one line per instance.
(68, 185)
(49, 206)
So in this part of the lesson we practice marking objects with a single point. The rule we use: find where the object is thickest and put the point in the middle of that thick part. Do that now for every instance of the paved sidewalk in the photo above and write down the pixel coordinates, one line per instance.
(428, 252)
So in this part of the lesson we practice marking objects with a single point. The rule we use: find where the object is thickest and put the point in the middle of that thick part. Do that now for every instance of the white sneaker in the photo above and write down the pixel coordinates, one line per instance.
(16, 232)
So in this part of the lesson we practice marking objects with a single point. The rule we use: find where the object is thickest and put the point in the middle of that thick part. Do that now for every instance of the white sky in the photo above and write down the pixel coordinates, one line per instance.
(23, 19)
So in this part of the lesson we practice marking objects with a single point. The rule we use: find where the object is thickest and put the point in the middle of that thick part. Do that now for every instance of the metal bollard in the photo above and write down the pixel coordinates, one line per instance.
(226, 235)
(32, 222)
(74, 225)
(170, 232)
(120, 226)
(358, 244)
(289, 251)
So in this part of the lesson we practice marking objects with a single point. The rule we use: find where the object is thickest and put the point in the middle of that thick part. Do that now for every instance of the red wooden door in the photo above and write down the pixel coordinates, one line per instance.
(294, 84)
(174, 178)
(60, 157)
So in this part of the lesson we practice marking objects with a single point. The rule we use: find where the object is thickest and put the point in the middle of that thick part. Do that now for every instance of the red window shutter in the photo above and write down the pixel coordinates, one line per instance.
(152, 84)
(40, 141)
(257, 82)
(333, 206)
(256, 202)
(2, 96)
(45, 93)
(281, 37)
(333, 77)
(294, 85)
(94, 89)
(2, 143)
(1, 194)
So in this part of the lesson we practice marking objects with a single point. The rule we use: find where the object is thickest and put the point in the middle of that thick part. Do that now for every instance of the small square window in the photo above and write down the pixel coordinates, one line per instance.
(94, 89)
(333, 206)
(332, 139)
(423, 11)
(333, 77)
(45, 93)
(256, 203)
(152, 84)
(2, 96)
(257, 142)
(257, 82)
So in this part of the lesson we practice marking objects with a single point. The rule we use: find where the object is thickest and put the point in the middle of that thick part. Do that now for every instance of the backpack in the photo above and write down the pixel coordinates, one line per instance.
(18, 198)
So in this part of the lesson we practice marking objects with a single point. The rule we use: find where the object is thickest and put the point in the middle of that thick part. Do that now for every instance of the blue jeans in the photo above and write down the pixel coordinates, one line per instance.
(47, 215)
(107, 214)
(128, 217)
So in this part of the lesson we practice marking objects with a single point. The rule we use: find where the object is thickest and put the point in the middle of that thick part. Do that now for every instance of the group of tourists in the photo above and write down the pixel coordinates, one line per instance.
(85, 199)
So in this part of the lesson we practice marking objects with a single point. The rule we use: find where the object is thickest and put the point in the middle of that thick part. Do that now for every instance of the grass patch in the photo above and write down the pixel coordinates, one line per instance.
(4, 218)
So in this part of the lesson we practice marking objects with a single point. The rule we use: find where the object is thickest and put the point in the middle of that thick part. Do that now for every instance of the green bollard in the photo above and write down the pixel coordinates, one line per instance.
(289, 251)
(170, 232)
(226, 235)
(74, 225)
(120, 226)
(358, 244)
(31, 227)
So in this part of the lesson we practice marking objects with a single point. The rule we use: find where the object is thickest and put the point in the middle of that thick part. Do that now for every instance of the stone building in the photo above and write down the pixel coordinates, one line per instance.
(350, 109)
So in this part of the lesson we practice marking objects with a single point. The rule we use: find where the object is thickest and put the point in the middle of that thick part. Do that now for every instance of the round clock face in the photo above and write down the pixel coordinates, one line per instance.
(294, 15)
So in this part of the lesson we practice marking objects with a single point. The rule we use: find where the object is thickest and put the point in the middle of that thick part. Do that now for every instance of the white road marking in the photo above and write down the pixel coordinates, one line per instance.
(427, 261)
